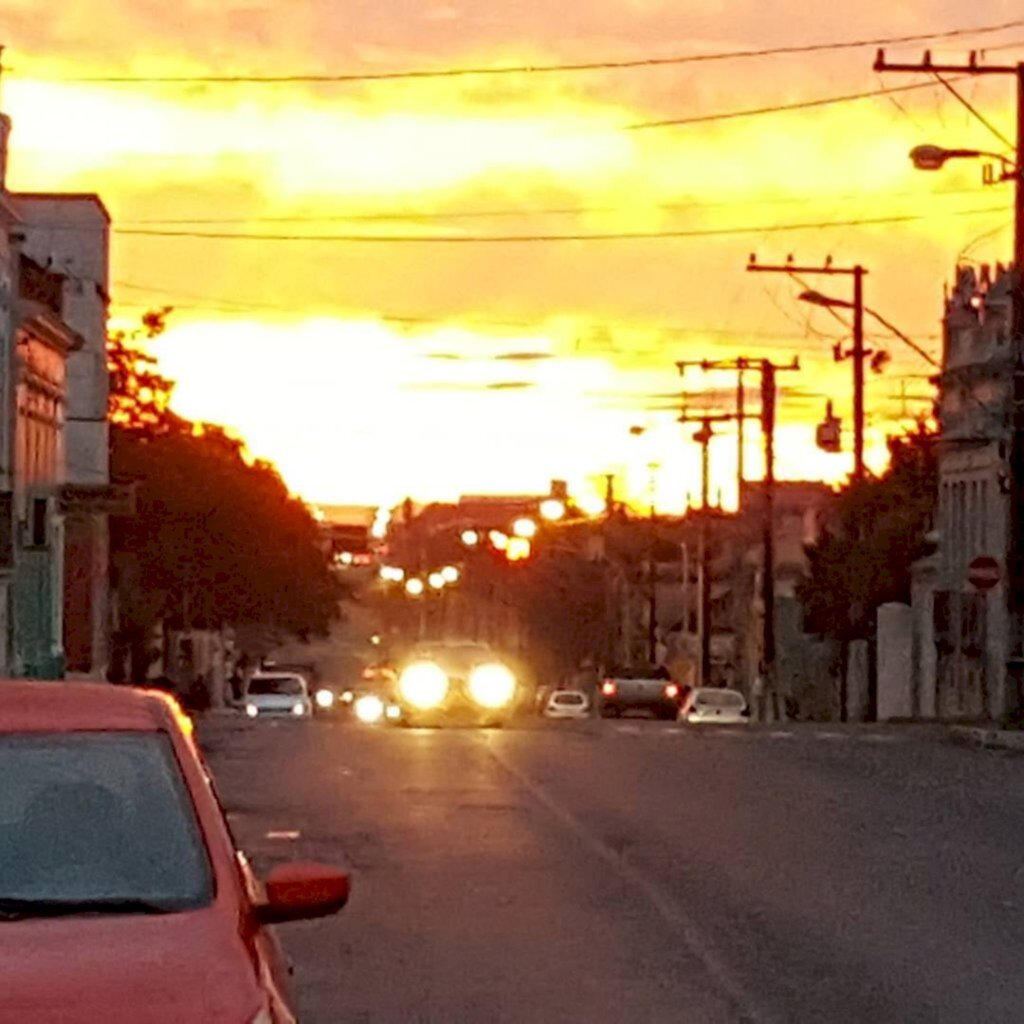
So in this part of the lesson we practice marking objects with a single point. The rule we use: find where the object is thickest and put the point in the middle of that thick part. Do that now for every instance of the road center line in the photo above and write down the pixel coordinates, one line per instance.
(667, 907)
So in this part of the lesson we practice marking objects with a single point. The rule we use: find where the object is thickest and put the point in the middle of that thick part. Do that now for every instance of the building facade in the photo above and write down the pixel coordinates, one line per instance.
(960, 634)
(69, 234)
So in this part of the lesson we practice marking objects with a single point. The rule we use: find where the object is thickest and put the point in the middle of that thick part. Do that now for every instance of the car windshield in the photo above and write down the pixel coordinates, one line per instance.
(719, 699)
(276, 686)
(102, 817)
(457, 658)
(568, 698)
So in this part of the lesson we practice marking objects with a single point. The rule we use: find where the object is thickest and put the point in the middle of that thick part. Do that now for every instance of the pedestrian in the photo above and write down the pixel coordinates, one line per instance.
(757, 694)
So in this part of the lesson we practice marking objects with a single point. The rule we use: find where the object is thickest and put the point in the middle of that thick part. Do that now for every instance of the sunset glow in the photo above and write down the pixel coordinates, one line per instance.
(434, 365)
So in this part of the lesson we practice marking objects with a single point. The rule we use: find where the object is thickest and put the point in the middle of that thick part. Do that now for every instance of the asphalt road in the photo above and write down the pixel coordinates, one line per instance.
(638, 872)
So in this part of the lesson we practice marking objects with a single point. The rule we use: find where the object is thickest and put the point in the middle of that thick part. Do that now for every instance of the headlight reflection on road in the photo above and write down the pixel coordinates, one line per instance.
(424, 685)
(369, 709)
(492, 686)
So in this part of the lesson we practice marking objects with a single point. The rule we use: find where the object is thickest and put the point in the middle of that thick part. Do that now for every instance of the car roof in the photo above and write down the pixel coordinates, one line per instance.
(29, 706)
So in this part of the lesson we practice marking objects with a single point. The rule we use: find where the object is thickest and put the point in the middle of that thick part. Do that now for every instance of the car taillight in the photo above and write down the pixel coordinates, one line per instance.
(672, 690)
(608, 688)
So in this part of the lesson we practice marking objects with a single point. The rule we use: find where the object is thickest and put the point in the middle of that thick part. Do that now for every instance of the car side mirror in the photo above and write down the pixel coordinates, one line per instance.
(297, 892)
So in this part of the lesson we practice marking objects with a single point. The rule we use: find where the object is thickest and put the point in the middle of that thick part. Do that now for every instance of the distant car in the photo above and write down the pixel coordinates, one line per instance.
(278, 694)
(715, 705)
(455, 682)
(122, 896)
(567, 704)
(640, 688)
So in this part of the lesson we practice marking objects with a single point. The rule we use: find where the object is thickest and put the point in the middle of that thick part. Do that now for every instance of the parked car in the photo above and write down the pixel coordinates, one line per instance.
(280, 694)
(122, 896)
(567, 704)
(640, 688)
(715, 705)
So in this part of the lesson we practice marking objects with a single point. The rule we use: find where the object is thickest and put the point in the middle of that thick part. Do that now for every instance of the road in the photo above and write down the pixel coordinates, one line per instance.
(640, 872)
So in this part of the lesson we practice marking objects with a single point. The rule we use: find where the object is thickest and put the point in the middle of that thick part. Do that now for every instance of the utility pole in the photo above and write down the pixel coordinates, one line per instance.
(1015, 541)
(858, 353)
(769, 400)
(703, 437)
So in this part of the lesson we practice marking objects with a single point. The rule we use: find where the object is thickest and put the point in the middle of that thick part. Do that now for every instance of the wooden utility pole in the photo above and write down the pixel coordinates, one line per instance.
(1014, 172)
(703, 437)
(858, 353)
(769, 401)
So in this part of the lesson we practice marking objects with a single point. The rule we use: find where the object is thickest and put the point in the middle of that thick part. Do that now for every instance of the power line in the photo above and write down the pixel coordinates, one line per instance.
(228, 305)
(526, 212)
(977, 113)
(531, 69)
(779, 108)
(231, 236)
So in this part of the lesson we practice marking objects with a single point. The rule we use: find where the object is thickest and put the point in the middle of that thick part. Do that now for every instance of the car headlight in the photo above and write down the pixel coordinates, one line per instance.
(298, 709)
(492, 686)
(347, 697)
(251, 710)
(325, 699)
(423, 684)
(393, 712)
(369, 709)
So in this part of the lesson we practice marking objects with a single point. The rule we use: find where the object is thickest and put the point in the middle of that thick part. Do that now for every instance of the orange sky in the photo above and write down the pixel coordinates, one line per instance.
(371, 370)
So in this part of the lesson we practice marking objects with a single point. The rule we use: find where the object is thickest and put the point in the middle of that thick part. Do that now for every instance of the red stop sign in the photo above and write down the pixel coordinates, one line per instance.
(983, 572)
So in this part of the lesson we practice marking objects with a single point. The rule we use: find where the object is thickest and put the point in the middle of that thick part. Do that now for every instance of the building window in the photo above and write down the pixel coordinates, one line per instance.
(37, 523)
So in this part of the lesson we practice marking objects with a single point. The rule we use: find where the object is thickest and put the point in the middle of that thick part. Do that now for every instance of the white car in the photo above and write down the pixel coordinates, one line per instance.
(279, 695)
(567, 704)
(714, 705)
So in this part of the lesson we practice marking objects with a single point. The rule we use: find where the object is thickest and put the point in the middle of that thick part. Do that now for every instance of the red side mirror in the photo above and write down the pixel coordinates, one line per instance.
(296, 892)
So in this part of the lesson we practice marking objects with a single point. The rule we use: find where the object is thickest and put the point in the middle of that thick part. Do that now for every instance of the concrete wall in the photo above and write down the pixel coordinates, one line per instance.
(895, 662)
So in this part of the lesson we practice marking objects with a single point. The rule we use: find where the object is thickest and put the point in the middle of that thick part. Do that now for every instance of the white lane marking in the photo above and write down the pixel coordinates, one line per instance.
(830, 736)
(283, 834)
(628, 730)
(781, 735)
(880, 737)
(666, 905)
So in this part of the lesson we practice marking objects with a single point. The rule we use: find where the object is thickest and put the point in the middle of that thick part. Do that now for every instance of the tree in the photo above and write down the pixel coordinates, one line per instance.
(216, 538)
(864, 557)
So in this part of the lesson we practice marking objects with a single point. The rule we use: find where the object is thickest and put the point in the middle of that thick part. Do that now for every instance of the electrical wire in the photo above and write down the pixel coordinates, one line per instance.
(526, 212)
(780, 108)
(532, 69)
(538, 238)
(977, 113)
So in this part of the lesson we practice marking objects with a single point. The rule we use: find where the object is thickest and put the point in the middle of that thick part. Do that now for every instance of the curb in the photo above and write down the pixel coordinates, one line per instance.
(987, 738)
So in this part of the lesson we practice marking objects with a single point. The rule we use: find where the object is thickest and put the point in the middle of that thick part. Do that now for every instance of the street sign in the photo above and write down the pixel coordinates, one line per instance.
(983, 573)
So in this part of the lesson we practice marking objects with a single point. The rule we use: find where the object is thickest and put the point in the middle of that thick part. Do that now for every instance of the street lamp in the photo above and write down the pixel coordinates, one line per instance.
(451, 574)
(414, 587)
(437, 580)
(552, 509)
(525, 527)
(934, 158)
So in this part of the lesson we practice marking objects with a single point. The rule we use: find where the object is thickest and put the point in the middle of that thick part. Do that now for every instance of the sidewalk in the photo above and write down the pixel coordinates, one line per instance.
(991, 737)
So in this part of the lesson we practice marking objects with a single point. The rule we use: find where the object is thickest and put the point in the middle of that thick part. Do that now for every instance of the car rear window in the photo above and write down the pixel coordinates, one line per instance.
(276, 686)
(720, 698)
(98, 816)
(568, 698)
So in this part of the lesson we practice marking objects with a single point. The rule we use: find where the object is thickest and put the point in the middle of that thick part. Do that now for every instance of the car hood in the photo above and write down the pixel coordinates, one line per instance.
(190, 966)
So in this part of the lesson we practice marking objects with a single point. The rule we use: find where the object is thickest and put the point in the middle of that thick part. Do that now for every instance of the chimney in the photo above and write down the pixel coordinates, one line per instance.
(5, 133)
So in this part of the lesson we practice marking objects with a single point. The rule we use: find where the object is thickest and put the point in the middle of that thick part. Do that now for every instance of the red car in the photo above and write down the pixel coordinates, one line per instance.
(122, 896)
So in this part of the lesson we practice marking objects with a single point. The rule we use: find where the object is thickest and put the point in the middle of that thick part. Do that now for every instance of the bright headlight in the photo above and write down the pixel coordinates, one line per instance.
(492, 686)
(298, 709)
(325, 699)
(424, 685)
(251, 710)
(369, 709)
